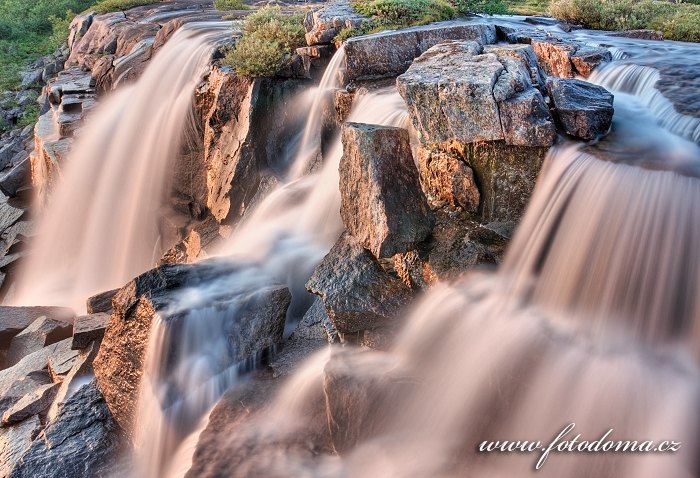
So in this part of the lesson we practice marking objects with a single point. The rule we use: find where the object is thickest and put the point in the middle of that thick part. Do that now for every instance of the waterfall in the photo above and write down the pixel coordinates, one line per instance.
(282, 241)
(640, 81)
(591, 320)
(102, 224)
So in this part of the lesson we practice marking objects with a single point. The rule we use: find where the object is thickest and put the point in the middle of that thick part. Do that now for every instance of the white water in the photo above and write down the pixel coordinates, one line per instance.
(282, 242)
(592, 319)
(102, 224)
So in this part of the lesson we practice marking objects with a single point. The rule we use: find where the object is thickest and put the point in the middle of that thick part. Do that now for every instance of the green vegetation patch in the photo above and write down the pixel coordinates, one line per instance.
(106, 6)
(268, 42)
(677, 21)
(228, 5)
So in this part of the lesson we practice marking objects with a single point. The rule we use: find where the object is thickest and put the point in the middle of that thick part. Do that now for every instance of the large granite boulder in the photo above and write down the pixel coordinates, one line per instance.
(382, 205)
(357, 293)
(390, 53)
(585, 110)
(455, 93)
(258, 324)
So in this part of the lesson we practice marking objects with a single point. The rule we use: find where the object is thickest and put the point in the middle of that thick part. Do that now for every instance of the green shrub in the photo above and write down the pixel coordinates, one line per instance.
(226, 5)
(403, 13)
(490, 7)
(676, 21)
(269, 40)
(105, 6)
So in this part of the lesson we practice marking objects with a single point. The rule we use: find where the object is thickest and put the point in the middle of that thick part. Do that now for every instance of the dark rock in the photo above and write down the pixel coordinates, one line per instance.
(15, 319)
(83, 440)
(357, 293)
(82, 368)
(88, 329)
(383, 206)
(390, 53)
(584, 110)
(40, 333)
(15, 441)
(101, 302)
(587, 58)
(33, 403)
(16, 178)
(448, 181)
(458, 244)
(37, 362)
(258, 325)
(23, 386)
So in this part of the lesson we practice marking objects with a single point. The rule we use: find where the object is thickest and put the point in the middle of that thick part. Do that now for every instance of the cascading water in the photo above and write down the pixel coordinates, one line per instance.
(102, 225)
(282, 242)
(592, 319)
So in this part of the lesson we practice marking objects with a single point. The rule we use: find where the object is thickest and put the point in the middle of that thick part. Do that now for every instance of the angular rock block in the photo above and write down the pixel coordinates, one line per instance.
(356, 292)
(40, 333)
(585, 110)
(456, 93)
(390, 53)
(88, 329)
(101, 302)
(382, 204)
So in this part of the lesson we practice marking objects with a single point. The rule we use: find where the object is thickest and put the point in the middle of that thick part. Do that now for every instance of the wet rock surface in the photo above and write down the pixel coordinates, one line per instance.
(357, 293)
(120, 361)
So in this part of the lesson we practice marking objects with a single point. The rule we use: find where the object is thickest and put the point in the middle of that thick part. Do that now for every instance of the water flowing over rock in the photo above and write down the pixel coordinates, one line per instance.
(585, 110)
(383, 206)
(356, 292)
(387, 54)
(120, 362)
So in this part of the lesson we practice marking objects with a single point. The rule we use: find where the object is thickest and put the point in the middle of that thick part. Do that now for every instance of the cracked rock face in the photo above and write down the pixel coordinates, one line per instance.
(456, 93)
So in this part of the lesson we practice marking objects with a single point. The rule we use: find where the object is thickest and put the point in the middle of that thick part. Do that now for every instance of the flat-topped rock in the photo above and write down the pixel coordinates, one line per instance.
(101, 302)
(33, 403)
(390, 53)
(40, 333)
